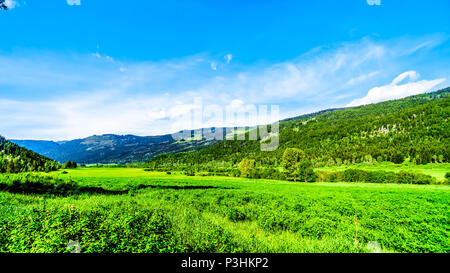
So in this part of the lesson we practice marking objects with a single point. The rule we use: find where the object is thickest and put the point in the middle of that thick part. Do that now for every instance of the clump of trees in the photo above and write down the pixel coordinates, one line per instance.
(247, 168)
(297, 167)
(70, 165)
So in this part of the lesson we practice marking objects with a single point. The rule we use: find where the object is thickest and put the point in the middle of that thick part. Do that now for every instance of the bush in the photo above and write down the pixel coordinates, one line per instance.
(36, 184)
(236, 214)
(47, 185)
(381, 177)
(355, 175)
(414, 178)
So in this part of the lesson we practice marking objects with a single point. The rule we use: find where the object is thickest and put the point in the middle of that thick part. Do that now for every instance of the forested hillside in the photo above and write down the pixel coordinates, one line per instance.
(15, 159)
(414, 128)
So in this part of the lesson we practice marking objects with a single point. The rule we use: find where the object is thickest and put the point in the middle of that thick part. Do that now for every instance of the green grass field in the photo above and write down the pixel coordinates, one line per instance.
(156, 212)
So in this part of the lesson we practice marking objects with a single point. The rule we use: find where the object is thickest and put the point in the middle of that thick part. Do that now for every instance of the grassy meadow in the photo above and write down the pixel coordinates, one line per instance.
(133, 210)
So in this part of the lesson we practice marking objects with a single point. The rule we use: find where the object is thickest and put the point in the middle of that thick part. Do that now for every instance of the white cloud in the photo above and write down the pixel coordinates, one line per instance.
(214, 66)
(110, 59)
(106, 57)
(74, 2)
(228, 58)
(64, 97)
(11, 4)
(77, 117)
(374, 2)
(363, 77)
(412, 75)
(395, 90)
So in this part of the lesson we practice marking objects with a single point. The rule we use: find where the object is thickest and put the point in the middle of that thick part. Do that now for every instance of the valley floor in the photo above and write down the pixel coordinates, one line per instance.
(159, 212)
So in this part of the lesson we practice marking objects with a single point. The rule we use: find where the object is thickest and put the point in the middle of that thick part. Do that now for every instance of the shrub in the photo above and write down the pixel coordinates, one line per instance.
(236, 214)
(47, 185)
(381, 177)
(36, 184)
(414, 178)
(327, 176)
(355, 175)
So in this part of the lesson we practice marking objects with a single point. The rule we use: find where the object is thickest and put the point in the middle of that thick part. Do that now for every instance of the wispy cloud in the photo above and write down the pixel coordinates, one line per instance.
(74, 2)
(106, 57)
(213, 66)
(50, 96)
(228, 58)
(374, 2)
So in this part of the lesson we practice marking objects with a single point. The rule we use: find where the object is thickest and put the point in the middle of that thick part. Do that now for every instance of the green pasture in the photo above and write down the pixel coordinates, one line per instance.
(158, 212)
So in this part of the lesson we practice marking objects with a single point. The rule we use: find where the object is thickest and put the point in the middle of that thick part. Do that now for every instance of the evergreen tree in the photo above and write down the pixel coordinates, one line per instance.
(291, 160)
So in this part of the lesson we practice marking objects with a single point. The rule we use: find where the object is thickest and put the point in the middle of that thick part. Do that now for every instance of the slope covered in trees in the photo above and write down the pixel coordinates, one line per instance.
(15, 159)
(414, 128)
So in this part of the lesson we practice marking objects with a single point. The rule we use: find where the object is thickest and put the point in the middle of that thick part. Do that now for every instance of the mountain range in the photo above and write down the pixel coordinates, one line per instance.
(109, 148)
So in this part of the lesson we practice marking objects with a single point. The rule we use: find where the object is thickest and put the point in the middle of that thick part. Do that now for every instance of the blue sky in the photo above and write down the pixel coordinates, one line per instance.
(71, 69)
